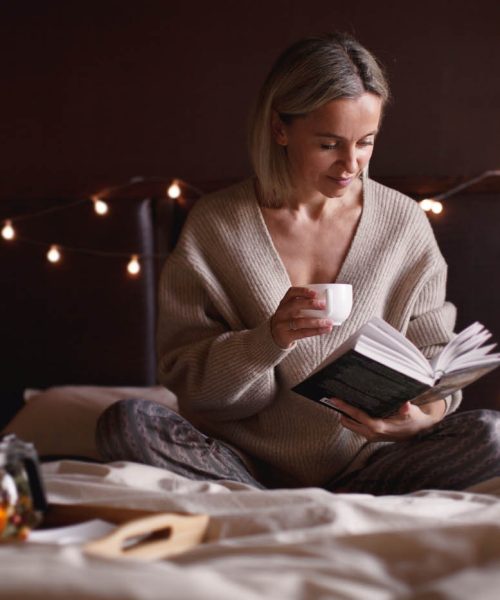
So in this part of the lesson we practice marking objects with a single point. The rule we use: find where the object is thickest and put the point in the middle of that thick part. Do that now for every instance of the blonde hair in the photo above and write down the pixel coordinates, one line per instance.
(311, 72)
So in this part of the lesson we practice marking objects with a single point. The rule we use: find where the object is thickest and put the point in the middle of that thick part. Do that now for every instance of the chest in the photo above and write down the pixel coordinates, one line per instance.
(313, 251)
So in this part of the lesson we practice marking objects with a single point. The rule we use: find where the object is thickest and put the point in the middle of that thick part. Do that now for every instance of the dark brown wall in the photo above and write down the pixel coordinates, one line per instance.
(97, 92)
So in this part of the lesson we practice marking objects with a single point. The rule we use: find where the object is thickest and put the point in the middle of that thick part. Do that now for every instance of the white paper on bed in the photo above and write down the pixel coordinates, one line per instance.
(283, 544)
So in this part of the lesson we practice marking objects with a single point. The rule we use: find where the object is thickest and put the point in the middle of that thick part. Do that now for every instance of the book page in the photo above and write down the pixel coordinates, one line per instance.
(471, 338)
(387, 335)
(384, 343)
(473, 363)
(451, 382)
(395, 360)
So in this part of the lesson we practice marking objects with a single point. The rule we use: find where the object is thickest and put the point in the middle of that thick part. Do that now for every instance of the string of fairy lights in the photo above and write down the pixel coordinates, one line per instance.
(54, 252)
(435, 205)
(174, 189)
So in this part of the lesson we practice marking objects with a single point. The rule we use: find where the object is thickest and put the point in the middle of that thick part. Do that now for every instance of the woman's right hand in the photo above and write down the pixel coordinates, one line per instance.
(287, 324)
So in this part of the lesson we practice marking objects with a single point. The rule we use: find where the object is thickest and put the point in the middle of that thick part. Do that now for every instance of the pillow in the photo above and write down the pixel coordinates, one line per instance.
(60, 421)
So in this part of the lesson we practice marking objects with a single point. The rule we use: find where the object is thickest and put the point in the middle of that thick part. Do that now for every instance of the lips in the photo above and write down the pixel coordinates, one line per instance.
(342, 181)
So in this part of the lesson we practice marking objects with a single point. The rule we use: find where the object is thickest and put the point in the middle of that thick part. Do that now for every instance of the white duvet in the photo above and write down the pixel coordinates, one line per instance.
(285, 544)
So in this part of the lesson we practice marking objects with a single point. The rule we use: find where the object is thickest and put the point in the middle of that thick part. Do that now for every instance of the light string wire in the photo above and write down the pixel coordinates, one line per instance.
(45, 211)
(466, 184)
(434, 204)
(174, 191)
(103, 194)
(93, 251)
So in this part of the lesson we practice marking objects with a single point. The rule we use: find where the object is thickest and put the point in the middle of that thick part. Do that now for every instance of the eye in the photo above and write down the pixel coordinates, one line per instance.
(368, 142)
(329, 146)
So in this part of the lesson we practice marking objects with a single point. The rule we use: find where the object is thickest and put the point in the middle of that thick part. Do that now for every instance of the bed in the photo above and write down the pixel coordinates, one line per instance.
(293, 544)
(82, 337)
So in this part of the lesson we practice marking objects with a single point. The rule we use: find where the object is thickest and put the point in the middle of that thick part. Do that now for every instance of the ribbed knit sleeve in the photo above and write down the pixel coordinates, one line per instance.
(429, 319)
(220, 365)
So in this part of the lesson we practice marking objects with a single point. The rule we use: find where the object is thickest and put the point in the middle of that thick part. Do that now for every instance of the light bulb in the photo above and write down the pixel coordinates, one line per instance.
(426, 204)
(8, 232)
(436, 207)
(100, 206)
(54, 255)
(174, 191)
(134, 266)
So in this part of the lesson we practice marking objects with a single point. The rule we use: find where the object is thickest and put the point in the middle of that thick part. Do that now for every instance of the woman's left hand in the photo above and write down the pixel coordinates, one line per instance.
(406, 423)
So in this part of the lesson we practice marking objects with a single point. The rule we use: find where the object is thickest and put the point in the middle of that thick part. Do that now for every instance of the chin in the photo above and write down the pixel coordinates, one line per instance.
(332, 191)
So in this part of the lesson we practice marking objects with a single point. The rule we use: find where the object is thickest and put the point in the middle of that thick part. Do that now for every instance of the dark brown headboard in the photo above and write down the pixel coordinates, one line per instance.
(84, 320)
(466, 232)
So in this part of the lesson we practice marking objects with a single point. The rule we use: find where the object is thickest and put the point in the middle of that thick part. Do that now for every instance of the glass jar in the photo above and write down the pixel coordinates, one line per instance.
(22, 497)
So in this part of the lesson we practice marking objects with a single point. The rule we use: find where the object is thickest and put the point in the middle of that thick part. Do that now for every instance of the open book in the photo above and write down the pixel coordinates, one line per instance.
(378, 369)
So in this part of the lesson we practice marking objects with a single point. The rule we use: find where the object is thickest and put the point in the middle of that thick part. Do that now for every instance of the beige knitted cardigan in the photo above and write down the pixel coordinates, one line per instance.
(219, 289)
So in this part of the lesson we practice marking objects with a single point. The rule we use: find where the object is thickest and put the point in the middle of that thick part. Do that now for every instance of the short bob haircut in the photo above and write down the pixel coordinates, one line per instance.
(311, 72)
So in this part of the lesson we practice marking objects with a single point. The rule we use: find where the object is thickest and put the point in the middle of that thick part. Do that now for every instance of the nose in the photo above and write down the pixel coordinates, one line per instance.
(349, 159)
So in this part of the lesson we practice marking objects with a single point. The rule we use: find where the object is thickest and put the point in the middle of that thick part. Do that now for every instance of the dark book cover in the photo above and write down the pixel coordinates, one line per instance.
(362, 382)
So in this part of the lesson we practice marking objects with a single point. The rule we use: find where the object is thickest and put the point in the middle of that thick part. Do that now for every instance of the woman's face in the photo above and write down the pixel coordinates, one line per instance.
(328, 148)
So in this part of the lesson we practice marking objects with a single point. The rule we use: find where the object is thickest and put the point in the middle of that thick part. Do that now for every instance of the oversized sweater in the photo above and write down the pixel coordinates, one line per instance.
(218, 291)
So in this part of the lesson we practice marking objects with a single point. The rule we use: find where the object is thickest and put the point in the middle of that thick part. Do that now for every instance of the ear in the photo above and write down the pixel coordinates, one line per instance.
(278, 129)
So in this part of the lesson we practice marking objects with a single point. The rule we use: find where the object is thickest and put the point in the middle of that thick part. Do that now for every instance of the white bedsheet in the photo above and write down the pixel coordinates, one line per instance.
(285, 544)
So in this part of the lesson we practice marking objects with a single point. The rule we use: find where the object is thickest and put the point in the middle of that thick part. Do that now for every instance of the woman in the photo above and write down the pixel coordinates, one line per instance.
(232, 341)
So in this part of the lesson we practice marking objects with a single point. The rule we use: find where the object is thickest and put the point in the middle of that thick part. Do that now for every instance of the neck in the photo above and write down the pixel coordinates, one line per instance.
(315, 205)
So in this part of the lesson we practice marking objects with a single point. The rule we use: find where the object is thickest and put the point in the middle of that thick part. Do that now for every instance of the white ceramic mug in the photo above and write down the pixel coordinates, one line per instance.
(338, 298)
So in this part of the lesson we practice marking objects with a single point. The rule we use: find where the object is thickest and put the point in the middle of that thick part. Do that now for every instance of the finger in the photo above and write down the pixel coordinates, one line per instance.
(294, 310)
(286, 331)
(301, 323)
(360, 429)
(352, 425)
(404, 409)
(355, 413)
(299, 334)
(295, 300)
(297, 292)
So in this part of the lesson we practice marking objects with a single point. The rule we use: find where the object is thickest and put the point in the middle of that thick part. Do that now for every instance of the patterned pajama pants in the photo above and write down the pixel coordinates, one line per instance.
(461, 450)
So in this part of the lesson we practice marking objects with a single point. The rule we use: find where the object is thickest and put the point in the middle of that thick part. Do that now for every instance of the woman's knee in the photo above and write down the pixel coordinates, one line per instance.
(112, 426)
(479, 428)
(487, 425)
(120, 411)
